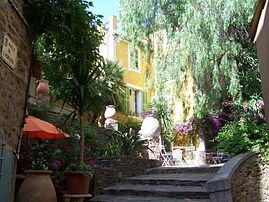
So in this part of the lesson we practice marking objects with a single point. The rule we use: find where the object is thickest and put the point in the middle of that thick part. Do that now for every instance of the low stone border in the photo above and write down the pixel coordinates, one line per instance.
(219, 187)
(111, 170)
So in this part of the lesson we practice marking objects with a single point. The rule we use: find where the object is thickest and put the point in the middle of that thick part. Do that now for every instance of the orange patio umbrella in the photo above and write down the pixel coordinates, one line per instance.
(37, 128)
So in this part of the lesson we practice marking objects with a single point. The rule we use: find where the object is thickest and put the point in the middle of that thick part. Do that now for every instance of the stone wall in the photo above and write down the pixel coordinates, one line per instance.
(250, 182)
(112, 169)
(244, 178)
(13, 85)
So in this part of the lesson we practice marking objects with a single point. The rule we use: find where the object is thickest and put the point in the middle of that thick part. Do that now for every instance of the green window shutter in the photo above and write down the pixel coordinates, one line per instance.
(126, 101)
(149, 106)
(144, 101)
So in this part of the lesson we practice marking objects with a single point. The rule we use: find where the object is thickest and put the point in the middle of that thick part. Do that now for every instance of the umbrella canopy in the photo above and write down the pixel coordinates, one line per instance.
(37, 128)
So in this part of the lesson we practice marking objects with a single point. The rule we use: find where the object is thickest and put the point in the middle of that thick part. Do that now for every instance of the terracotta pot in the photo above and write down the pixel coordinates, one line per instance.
(43, 87)
(77, 183)
(37, 186)
(110, 112)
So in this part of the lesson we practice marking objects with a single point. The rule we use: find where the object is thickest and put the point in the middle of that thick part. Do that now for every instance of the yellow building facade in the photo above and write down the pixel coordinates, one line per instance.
(137, 97)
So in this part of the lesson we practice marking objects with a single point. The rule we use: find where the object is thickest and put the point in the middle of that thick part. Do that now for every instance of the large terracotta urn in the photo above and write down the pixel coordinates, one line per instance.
(150, 129)
(43, 87)
(37, 186)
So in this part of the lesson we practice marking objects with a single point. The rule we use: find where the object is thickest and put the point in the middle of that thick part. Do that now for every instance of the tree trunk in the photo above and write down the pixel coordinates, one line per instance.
(82, 140)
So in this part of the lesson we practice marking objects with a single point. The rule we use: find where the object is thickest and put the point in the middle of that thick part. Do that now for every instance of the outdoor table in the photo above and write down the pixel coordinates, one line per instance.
(217, 157)
(185, 155)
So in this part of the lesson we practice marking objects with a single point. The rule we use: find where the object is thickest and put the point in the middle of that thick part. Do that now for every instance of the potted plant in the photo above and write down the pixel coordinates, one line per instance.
(77, 174)
(39, 174)
(78, 178)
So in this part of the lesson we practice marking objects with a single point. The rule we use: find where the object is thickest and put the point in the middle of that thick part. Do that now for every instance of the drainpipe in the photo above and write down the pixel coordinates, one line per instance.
(17, 153)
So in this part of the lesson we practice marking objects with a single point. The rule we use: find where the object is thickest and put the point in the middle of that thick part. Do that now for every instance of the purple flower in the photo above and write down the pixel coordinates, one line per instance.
(56, 165)
(179, 127)
(261, 103)
(40, 153)
(191, 120)
(216, 122)
(183, 127)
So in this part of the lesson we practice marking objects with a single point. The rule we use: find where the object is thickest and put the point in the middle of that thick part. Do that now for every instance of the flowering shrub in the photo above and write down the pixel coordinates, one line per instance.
(249, 113)
(247, 130)
(184, 127)
(237, 137)
(39, 162)
(43, 155)
(72, 148)
(252, 110)
(55, 165)
(213, 124)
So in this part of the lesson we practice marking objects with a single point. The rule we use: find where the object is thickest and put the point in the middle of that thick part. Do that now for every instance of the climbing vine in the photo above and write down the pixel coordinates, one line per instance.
(205, 39)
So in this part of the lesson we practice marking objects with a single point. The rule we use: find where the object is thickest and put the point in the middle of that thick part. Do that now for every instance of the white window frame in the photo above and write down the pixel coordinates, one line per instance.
(130, 68)
(138, 102)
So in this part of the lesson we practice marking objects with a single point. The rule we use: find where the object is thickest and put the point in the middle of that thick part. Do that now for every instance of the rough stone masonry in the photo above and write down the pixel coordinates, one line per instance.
(13, 87)
(250, 181)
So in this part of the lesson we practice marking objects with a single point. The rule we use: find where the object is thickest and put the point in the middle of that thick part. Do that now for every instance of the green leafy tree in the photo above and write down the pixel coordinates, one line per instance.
(111, 85)
(205, 38)
(162, 112)
(68, 44)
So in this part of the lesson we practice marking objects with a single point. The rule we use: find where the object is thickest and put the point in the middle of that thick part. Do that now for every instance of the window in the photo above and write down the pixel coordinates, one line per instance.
(133, 59)
(135, 102)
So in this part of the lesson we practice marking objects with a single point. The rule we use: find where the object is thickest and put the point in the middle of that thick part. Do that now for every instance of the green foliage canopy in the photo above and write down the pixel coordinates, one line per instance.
(204, 37)
(238, 137)
(67, 41)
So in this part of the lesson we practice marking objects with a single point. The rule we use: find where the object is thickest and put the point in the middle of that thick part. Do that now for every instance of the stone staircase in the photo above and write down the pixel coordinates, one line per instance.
(167, 184)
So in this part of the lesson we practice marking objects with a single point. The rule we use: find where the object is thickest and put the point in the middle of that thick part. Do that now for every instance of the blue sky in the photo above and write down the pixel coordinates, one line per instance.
(105, 8)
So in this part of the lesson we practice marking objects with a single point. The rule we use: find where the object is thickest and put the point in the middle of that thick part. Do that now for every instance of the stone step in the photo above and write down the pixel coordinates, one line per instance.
(131, 198)
(165, 184)
(187, 169)
(195, 192)
(176, 179)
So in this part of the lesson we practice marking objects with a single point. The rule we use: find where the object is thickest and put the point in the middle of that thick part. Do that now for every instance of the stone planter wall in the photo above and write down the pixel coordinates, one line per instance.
(112, 169)
(250, 182)
(243, 178)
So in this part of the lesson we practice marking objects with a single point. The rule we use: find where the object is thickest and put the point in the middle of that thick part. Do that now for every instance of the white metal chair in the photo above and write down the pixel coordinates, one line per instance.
(177, 156)
(166, 157)
(189, 156)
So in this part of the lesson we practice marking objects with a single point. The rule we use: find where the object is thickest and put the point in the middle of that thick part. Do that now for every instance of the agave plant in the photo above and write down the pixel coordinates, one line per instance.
(124, 144)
